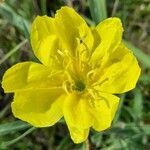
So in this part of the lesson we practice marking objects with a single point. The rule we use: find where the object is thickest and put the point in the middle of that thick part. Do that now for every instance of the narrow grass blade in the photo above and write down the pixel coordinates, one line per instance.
(12, 17)
(26, 31)
(89, 21)
(138, 103)
(4, 110)
(43, 7)
(98, 10)
(12, 51)
(69, 3)
(63, 144)
(6, 144)
(8, 128)
(116, 3)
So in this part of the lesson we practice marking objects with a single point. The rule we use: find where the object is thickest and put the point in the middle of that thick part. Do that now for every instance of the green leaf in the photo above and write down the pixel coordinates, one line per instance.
(9, 128)
(117, 144)
(98, 10)
(118, 113)
(146, 129)
(63, 144)
(145, 78)
(97, 139)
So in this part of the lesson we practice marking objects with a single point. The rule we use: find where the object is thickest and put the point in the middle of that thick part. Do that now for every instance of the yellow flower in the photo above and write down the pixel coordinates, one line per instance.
(81, 69)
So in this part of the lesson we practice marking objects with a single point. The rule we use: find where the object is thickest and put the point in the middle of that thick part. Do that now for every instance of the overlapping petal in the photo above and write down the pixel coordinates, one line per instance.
(30, 75)
(81, 113)
(76, 112)
(44, 40)
(72, 30)
(66, 32)
(103, 111)
(120, 71)
(110, 31)
(41, 108)
(77, 115)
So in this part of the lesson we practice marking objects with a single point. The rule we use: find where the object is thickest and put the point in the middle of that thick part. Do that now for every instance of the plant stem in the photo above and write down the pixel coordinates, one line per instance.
(87, 145)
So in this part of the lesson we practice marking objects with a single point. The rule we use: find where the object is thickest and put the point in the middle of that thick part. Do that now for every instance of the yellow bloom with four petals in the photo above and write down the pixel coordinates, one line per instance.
(80, 71)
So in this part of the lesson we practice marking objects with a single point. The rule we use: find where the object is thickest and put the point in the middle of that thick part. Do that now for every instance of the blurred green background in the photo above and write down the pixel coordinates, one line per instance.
(131, 126)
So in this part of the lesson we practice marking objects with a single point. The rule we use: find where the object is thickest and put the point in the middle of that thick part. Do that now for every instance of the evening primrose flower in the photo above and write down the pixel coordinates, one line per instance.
(81, 70)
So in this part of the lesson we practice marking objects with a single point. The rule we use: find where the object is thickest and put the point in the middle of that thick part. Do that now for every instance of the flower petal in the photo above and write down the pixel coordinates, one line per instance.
(104, 110)
(120, 71)
(78, 135)
(76, 112)
(71, 29)
(41, 108)
(110, 31)
(29, 75)
(43, 39)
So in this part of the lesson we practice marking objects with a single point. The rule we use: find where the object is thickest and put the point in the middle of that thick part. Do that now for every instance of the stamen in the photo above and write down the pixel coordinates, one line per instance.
(60, 53)
(99, 83)
(90, 73)
(94, 93)
(81, 41)
(66, 86)
(91, 93)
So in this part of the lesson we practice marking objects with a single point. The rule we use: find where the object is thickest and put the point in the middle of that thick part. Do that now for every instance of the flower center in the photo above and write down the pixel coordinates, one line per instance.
(79, 86)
